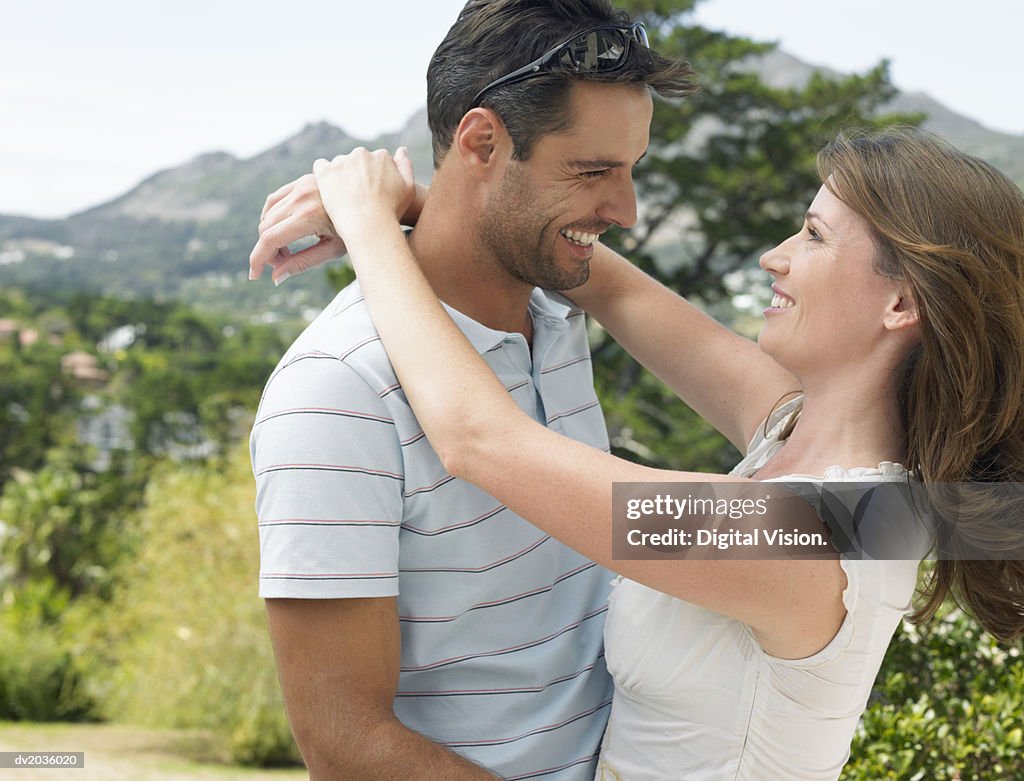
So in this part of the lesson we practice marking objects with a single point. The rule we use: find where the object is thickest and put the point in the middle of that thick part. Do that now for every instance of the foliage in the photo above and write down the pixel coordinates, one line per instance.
(41, 678)
(184, 642)
(340, 275)
(34, 412)
(648, 423)
(947, 706)
(185, 379)
(68, 510)
(65, 525)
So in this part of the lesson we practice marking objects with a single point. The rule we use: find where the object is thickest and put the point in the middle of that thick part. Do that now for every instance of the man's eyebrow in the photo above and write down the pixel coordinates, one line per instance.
(586, 164)
(591, 164)
(815, 216)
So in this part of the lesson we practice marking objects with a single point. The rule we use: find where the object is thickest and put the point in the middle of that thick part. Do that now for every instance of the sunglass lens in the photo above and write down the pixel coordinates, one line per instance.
(599, 50)
(640, 32)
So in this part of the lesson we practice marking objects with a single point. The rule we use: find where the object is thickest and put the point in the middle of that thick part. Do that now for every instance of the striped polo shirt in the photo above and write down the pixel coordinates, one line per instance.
(502, 656)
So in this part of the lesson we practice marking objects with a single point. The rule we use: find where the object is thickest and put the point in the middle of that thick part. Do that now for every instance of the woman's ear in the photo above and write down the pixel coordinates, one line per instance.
(902, 311)
(481, 139)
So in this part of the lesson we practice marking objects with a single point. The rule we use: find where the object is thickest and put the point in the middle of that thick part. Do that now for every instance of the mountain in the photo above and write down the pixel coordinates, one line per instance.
(187, 232)
(217, 187)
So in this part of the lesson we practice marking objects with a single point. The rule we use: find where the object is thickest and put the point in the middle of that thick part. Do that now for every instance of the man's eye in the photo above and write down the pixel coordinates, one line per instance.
(594, 174)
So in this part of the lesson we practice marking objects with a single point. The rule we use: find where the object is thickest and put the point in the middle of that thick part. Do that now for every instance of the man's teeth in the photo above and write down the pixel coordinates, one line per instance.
(778, 302)
(578, 237)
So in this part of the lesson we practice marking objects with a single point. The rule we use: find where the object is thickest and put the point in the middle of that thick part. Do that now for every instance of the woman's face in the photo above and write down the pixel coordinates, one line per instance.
(830, 304)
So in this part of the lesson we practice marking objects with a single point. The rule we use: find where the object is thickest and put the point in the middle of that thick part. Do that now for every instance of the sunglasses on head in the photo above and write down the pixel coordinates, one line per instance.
(597, 50)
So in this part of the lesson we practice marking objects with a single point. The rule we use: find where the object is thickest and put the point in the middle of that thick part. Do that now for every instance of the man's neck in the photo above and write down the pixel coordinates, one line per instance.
(462, 273)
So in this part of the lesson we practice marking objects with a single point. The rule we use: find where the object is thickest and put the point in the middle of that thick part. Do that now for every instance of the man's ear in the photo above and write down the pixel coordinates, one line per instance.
(483, 143)
(902, 311)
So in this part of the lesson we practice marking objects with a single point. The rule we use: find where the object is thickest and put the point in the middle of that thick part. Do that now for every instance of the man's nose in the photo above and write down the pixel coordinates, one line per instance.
(620, 207)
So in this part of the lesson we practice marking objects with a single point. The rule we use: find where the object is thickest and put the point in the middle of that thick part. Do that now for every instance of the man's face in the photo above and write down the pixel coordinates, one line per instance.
(541, 222)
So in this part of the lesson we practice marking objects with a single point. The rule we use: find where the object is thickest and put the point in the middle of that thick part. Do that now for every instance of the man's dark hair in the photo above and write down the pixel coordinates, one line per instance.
(494, 37)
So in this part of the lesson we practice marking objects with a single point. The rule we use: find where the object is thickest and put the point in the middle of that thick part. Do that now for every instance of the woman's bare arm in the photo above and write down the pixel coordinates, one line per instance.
(723, 376)
(481, 435)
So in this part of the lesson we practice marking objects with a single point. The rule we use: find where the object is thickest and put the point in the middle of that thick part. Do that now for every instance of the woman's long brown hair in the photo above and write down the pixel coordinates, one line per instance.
(952, 226)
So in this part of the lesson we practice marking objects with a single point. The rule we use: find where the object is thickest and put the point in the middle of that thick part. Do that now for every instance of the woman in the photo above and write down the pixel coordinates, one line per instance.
(898, 317)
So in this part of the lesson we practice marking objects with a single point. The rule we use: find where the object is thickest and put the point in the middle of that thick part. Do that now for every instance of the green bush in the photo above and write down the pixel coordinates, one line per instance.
(183, 642)
(261, 735)
(67, 524)
(41, 678)
(947, 706)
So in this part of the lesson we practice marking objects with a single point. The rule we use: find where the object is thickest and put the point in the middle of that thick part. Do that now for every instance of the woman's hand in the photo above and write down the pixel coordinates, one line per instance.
(294, 212)
(362, 190)
(290, 214)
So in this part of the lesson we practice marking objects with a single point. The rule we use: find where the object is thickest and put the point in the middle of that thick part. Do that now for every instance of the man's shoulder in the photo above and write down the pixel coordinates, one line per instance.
(342, 346)
(341, 341)
(341, 328)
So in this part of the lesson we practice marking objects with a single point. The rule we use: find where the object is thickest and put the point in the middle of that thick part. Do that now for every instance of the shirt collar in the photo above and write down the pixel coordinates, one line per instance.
(549, 311)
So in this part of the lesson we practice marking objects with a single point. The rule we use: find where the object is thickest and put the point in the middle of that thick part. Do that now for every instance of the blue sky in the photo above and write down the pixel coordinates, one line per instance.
(98, 95)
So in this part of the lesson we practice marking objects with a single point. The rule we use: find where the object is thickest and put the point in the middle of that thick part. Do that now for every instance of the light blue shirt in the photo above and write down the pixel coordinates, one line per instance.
(502, 654)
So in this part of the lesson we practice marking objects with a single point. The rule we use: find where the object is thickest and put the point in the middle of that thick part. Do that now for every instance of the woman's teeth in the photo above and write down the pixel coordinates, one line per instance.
(578, 237)
(778, 302)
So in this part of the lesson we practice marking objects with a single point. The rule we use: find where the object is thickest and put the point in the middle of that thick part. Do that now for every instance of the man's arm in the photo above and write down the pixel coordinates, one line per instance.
(338, 662)
(328, 466)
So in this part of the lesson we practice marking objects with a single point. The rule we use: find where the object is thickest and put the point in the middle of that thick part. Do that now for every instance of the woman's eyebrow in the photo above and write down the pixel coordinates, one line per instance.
(815, 216)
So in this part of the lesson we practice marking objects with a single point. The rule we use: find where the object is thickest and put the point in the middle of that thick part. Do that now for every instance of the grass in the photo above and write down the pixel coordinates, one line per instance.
(118, 752)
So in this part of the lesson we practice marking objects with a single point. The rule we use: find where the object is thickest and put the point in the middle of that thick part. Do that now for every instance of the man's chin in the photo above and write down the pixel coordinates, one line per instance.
(579, 280)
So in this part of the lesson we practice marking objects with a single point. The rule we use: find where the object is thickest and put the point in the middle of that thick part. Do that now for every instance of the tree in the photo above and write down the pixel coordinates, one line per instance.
(35, 397)
(65, 525)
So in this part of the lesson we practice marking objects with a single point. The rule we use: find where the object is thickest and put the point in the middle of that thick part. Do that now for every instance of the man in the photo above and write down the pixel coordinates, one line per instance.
(422, 630)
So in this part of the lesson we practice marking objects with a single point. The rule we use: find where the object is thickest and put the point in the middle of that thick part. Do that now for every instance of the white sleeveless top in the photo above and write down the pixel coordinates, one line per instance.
(697, 699)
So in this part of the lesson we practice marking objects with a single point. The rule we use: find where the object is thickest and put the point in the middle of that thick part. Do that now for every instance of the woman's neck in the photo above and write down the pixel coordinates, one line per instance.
(853, 425)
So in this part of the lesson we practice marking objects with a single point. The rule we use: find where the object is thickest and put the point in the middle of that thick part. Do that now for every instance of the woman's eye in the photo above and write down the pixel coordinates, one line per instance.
(815, 236)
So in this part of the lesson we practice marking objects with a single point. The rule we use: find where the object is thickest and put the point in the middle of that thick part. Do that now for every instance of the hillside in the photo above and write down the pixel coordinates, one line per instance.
(186, 232)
